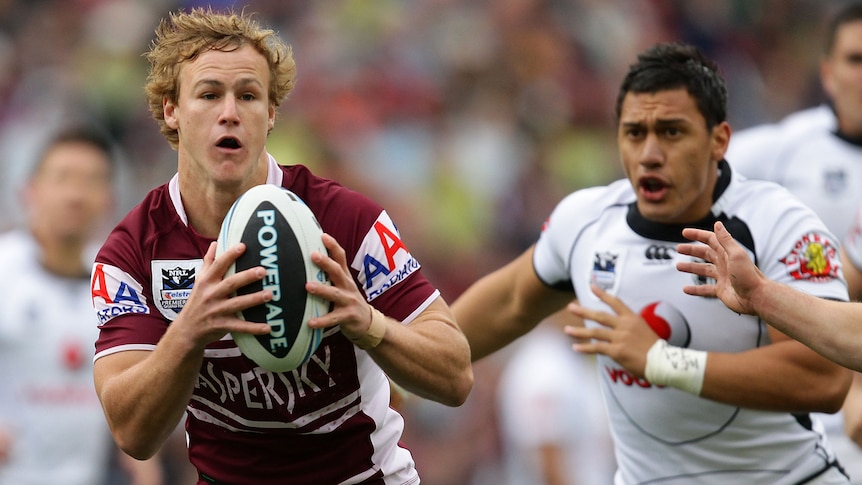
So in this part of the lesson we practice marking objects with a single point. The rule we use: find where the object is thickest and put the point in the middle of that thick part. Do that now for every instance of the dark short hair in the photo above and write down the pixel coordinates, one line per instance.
(847, 14)
(669, 66)
(88, 135)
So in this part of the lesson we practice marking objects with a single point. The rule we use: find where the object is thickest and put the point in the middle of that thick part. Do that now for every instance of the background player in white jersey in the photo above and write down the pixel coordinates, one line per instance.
(817, 154)
(215, 83)
(52, 429)
(695, 392)
(553, 424)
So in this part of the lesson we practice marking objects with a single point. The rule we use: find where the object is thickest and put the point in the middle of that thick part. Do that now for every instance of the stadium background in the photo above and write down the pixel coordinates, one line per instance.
(466, 119)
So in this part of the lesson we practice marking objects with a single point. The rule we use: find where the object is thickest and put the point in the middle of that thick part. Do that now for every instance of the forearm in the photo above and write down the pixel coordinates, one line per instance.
(783, 376)
(825, 326)
(144, 402)
(429, 358)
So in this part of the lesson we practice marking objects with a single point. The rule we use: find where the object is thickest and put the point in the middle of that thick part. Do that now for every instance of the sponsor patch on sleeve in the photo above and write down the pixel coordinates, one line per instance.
(173, 280)
(814, 257)
(115, 293)
(382, 260)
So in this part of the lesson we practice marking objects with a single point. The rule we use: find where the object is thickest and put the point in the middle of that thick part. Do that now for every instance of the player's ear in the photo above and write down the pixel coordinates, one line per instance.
(169, 107)
(826, 78)
(271, 121)
(720, 140)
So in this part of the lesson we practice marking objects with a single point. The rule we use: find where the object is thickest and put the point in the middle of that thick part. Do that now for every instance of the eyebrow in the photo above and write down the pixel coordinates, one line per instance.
(658, 123)
(241, 83)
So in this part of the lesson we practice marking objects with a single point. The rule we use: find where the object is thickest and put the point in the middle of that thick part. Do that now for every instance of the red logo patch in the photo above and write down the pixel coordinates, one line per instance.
(813, 257)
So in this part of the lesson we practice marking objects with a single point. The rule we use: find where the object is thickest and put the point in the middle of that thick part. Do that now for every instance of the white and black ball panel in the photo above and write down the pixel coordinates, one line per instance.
(280, 233)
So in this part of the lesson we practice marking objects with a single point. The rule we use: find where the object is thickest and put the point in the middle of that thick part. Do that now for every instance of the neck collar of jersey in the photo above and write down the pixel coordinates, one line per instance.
(673, 232)
(274, 175)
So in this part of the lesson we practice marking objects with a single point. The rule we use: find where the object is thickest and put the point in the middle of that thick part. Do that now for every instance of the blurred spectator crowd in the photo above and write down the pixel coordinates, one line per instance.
(467, 119)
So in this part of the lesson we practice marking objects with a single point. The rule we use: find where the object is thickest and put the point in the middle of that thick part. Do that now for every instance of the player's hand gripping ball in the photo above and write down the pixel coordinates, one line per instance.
(280, 233)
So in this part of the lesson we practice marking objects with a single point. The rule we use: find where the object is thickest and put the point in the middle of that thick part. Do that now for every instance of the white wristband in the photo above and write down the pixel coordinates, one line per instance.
(677, 367)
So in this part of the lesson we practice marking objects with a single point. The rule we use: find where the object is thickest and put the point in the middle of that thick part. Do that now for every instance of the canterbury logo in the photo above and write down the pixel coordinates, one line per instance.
(659, 252)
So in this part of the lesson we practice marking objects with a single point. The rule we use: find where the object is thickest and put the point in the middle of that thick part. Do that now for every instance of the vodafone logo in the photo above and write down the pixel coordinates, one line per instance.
(667, 322)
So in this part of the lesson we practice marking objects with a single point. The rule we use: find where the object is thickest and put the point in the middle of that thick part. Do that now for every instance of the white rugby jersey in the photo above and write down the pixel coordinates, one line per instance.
(805, 154)
(47, 397)
(665, 435)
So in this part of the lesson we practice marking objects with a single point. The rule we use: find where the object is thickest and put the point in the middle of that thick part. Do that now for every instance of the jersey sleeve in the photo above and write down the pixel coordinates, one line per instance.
(799, 250)
(551, 254)
(553, 251)
(122, 297)
(385, 270)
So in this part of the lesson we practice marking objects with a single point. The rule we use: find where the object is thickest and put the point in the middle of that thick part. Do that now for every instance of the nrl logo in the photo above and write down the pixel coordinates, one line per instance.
(174, 287)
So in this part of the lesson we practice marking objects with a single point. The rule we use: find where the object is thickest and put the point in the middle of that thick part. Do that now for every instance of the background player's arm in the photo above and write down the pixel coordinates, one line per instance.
(505, 305)
(783, 376)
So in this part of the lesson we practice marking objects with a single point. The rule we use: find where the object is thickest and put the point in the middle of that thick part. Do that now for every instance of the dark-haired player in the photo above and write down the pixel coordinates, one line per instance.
(695, 392)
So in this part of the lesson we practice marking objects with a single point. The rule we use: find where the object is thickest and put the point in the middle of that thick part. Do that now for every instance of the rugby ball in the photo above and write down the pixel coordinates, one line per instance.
(280, 233)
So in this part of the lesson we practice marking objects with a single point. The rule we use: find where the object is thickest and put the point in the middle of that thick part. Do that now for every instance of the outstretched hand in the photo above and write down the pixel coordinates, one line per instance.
(736, 277)
(622, 335)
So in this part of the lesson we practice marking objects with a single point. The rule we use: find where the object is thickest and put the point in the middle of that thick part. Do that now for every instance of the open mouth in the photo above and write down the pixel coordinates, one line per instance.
(652, 185)
(229, 142)
(652, 189)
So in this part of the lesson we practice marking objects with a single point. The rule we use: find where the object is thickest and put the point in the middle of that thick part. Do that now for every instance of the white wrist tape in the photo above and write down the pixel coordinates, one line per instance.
(677, 367)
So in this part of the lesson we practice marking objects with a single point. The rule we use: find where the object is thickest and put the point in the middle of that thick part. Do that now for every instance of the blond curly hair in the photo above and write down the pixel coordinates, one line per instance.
(185, 35)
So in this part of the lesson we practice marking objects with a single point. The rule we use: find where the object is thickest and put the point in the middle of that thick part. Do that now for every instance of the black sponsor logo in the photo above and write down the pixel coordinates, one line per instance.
(657, 252)
(178, 278)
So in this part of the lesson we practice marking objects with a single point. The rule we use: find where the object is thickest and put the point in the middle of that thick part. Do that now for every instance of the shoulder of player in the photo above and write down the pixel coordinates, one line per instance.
(154, 215)
(342, 212)
(771, 211)
(756, 194)
(334, 204)
(772, 139)
(16, 246)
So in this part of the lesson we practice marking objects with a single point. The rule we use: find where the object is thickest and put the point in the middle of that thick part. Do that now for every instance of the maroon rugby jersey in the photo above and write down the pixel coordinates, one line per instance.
(313, 425)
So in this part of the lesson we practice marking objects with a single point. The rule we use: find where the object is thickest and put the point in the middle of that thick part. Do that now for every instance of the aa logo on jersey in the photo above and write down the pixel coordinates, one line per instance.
(382, 260)
(115, 293)
(813, 257)
(173, 280)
